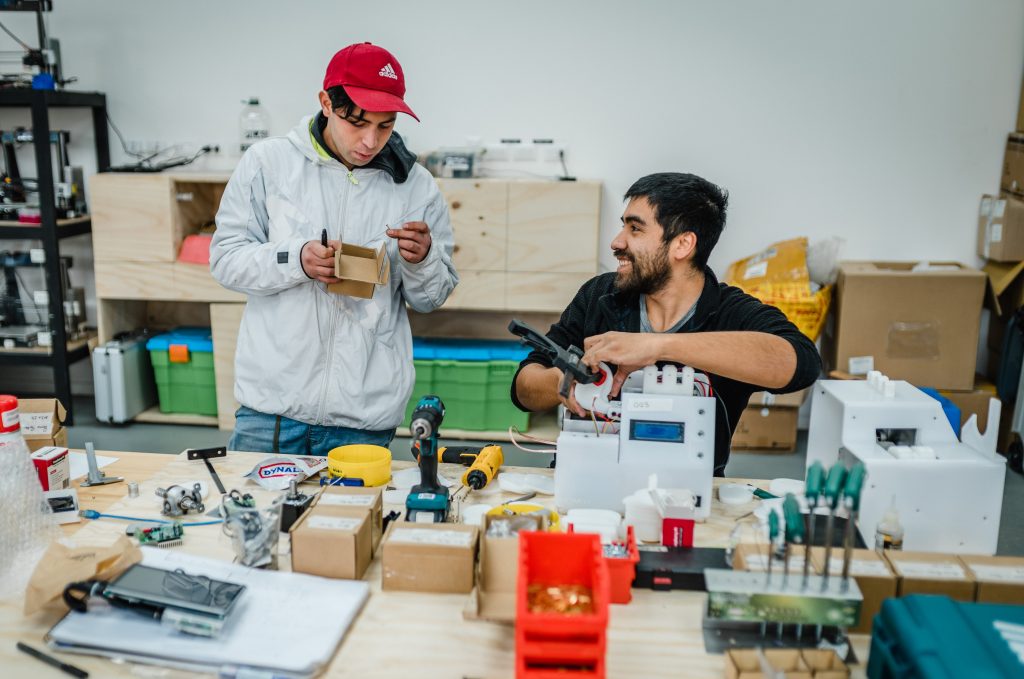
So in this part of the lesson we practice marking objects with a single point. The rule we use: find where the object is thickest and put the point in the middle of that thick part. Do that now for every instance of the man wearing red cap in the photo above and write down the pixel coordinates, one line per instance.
(315, 370)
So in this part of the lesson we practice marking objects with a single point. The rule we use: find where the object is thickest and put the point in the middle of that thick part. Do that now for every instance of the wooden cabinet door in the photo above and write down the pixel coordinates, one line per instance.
(478, 212)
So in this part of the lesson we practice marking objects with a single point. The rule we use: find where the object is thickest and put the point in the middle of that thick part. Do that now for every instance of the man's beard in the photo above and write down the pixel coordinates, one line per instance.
(647, 273)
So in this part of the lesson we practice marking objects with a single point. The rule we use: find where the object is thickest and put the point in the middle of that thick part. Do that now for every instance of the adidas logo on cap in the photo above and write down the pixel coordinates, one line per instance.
(388, 72)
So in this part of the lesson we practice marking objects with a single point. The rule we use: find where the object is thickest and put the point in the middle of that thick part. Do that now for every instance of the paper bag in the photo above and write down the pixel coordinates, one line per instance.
(63, 564)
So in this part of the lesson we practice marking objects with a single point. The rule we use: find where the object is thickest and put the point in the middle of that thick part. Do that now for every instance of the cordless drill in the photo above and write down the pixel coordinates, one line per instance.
(483, 463)
(428, 501)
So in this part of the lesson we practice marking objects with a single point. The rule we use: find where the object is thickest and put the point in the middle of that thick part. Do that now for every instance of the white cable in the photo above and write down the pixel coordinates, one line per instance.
(512, 438)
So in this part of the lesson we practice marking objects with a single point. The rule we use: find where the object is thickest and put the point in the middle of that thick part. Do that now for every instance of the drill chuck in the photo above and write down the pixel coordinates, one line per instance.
(476, 479)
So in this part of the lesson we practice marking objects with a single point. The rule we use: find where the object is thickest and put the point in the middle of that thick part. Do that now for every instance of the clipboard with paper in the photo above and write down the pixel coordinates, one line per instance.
(249, 640)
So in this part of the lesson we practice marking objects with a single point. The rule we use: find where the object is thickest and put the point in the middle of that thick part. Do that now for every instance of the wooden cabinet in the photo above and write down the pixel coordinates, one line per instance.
(522, 248)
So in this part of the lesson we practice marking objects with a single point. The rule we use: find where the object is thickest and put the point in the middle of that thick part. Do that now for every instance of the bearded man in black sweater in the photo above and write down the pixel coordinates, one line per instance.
(664, 305)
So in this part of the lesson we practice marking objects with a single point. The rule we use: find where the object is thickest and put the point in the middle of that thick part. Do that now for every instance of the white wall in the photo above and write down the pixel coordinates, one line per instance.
(881, 122)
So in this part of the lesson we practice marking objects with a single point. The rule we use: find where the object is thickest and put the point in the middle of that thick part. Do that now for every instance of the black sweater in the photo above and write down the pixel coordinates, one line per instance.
(599, 308)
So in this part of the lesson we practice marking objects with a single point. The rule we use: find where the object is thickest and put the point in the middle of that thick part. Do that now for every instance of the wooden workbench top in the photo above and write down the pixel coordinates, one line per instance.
(397, 634)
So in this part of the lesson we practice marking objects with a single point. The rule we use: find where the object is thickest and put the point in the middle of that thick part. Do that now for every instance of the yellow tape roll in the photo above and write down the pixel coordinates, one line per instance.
(370, 463)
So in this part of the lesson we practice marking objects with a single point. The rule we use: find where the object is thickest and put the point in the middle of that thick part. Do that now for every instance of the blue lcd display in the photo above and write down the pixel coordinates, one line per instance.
(648, 430)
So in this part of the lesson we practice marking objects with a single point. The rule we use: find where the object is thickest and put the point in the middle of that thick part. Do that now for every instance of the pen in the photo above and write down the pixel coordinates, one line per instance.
(50, 660)
(323, 238)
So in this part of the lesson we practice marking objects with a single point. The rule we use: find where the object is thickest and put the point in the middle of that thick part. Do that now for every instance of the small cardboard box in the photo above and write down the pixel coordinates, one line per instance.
(332, 543)
(497, 575)
(1000, 578)
(42, 422)
(927, 573)
(1013, 164)
(355, 497)
(53, 467)
(769, 422)
(874, 577)
(754, 557)
(744, 663)
(975, 402)
(1001, 228)
(913, 323)
(360, 270)
(427, 557)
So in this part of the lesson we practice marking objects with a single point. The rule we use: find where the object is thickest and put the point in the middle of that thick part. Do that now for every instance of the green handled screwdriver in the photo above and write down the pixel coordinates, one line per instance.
(812, 492)
(833, 493)
(773, 536)
(851, 500)
(794, 529)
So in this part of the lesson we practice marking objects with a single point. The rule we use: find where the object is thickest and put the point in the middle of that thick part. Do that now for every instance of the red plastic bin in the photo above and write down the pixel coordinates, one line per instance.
(549, 644)
(621, 571)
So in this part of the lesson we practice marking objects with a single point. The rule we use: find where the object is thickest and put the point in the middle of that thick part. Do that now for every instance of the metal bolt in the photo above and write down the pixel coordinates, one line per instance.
(133, 489)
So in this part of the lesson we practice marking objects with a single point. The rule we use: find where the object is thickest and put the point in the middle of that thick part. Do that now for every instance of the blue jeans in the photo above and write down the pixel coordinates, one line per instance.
(258, 432)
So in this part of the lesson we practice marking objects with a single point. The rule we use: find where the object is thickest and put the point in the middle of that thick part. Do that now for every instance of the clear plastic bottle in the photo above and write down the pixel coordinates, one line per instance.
(253, 124)
(27, 526)
(889, 531)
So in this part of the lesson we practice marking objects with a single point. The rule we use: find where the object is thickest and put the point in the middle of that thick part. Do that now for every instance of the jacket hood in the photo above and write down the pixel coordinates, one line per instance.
(394, 159)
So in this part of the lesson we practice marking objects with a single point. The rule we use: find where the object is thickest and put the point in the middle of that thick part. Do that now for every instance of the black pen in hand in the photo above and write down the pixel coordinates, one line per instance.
(50, 660)
(323, 238)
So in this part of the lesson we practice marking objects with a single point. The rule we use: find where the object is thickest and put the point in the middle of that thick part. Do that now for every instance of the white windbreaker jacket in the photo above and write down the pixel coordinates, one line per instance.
(303, 352)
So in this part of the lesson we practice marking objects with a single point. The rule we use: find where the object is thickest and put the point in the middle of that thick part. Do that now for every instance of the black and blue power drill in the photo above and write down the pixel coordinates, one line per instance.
(428, 501)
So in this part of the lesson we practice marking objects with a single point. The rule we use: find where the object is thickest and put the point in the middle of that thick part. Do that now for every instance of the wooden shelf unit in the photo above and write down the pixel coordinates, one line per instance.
(522, 249)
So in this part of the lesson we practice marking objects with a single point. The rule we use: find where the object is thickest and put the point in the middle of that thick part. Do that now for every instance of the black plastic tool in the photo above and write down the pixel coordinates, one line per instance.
(206, 454)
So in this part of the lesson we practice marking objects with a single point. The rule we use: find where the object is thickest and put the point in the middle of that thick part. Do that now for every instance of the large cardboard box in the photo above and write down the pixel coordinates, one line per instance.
(1000, 578)
(42, 423)
(1001, 228)
(332, 542)
(354, 497)
(927, 573)
(497, 575)
(1013, 164)
(360, 270)
(874, 577)
(918, 323)
(769, 422)
(422, 557)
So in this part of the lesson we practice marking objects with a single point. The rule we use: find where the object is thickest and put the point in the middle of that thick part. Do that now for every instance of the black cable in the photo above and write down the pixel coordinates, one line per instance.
(124, 146)
(21, 282)
(16, 38)
(565, 170)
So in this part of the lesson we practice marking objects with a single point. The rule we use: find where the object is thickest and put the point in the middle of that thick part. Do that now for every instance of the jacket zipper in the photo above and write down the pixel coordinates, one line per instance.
(334, 315)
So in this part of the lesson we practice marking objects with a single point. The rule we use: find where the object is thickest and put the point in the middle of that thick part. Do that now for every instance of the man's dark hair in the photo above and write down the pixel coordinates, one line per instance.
(343, 104)
(685, 202)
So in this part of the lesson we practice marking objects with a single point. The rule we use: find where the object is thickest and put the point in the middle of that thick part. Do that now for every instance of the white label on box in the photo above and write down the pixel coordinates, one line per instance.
(998, 209)
(859, 567)
(347, 500)
(1000, 573)
(942, 570)
(759, 270)
(40, 298)
(986, 207)
(37, 256)
(44, 339)
(995, 234)
(447, 538)
(333, 522)
(660, 404)
(861, 365)
(9, 418)
(36, 423)
(759, 562)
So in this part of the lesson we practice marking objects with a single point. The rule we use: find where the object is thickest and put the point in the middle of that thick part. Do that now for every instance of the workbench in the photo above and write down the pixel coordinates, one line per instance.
(397, 634)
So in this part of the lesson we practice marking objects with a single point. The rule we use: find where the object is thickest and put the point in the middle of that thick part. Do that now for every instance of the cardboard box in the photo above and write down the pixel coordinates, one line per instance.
(53, 467)
(927, 573)
(769, 422)
(333, 543)
(427, 557)
(42, 422)
(1000, 579)
(744, 663)
(360, 270)
(1013, 164)
(921, 326)
(874, 576)
(754, 557)
(355, 497)
(1001, 228)
(974, 402)
(497, 574)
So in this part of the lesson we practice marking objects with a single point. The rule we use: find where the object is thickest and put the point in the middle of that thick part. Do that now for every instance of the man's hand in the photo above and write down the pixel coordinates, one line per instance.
(630, 351)
(413, 241)
(317, 261)
(570, 400)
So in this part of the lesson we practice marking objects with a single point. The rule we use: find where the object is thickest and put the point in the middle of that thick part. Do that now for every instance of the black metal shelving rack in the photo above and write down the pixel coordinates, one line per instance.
(51, 231)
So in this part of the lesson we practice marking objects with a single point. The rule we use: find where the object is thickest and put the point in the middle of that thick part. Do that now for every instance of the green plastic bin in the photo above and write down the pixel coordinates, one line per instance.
(475, 393)
(183, 367)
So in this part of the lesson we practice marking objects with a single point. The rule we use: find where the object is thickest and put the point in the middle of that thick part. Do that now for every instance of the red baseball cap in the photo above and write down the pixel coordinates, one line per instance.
(371, 76)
